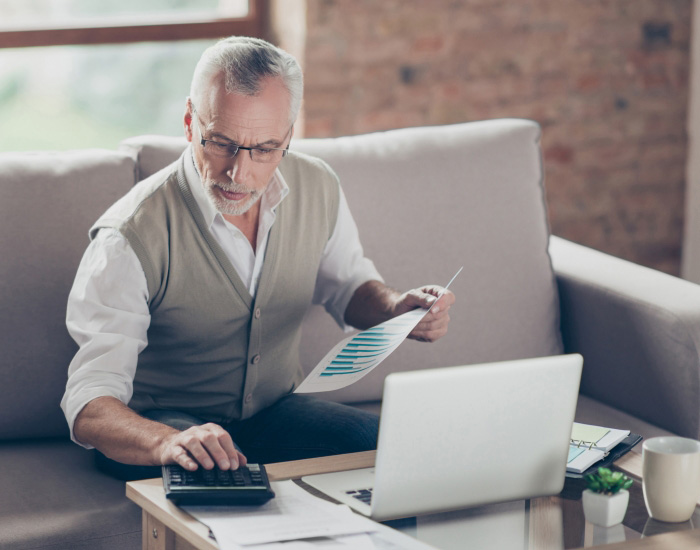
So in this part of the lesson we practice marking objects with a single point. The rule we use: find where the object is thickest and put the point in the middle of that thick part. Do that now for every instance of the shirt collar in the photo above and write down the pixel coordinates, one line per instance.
(271, 199)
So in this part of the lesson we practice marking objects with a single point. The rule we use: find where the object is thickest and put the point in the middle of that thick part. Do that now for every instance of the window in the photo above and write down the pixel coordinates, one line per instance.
(80, 73)
(28, 23)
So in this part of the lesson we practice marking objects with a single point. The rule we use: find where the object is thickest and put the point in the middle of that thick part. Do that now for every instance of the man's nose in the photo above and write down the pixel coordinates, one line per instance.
(240, 166)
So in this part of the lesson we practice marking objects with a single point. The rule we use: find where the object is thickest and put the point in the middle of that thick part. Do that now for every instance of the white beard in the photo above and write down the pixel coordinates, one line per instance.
(226, 206)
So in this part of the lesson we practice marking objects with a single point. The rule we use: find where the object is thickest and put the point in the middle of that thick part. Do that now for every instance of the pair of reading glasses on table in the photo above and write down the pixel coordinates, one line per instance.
(265, 155)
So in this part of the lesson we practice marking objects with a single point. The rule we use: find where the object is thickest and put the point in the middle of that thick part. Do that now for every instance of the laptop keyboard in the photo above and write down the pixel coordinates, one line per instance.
(363, 495)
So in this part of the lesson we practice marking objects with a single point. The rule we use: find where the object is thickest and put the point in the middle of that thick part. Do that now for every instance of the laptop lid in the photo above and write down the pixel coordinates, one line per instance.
(463, 436)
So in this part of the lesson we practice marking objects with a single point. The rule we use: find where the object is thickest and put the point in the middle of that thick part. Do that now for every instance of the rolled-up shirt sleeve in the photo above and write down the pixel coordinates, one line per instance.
(108, 317)
(344, 267)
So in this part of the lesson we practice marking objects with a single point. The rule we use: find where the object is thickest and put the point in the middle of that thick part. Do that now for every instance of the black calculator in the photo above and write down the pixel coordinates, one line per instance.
(247, 485)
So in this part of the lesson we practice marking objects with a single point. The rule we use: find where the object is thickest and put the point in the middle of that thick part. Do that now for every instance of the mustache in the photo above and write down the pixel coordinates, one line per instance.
(231, 187)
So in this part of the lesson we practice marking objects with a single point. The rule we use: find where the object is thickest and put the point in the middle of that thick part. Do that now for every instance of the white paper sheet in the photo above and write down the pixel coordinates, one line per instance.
(378, 537)
(362, 541)
(346, 542)
(292, 514)
(356, 356)
(385, 538)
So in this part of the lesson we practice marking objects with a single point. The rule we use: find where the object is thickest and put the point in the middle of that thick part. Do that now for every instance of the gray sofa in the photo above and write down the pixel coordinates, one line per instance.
(427, 201)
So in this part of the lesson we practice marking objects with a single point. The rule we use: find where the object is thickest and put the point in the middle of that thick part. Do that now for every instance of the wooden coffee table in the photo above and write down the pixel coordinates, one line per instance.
(167, 527)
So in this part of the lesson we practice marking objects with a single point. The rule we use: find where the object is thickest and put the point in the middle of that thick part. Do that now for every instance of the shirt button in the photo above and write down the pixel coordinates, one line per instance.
(249, 398)
(256, 360)
(257, 313)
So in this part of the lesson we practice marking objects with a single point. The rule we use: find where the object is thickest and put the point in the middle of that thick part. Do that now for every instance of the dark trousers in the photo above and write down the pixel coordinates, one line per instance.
(297, 426)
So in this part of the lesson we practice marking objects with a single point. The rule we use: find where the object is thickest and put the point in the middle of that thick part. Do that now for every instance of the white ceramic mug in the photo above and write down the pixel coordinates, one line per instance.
(671, 477)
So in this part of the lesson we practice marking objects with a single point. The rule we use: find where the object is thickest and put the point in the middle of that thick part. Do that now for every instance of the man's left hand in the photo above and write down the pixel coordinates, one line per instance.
(434, 325)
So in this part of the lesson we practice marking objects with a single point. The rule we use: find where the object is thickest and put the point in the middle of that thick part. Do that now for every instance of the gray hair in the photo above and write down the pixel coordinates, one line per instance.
(244, 62)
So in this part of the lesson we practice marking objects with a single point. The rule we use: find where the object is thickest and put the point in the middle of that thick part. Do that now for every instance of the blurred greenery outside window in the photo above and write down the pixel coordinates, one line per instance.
(72, 97)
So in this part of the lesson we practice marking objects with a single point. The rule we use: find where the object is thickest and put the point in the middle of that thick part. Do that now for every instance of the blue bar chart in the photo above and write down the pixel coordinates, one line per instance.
(356, 356)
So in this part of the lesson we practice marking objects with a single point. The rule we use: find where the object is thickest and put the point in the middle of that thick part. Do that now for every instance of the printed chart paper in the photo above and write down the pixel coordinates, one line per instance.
(356, 356)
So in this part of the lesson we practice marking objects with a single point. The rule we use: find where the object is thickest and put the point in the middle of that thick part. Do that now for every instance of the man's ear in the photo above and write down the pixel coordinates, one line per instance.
(187, 120)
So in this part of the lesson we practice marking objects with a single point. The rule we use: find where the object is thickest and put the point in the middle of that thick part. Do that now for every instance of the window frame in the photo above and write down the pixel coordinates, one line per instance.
(155, 28)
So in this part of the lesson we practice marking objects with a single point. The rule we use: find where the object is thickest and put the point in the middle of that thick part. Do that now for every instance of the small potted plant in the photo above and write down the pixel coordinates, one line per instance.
(606, 498)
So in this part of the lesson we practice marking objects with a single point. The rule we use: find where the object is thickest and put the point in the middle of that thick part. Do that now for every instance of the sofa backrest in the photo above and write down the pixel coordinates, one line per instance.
(48, 201)
(428, 201)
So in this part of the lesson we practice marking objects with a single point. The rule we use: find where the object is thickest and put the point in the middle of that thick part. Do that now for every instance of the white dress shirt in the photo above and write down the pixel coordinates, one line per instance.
(108, 313)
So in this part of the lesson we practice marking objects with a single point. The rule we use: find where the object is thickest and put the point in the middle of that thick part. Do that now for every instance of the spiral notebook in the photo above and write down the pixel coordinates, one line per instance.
(592, 444)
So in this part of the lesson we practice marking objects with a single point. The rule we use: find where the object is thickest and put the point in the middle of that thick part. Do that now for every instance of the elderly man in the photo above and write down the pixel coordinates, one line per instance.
(188, 302)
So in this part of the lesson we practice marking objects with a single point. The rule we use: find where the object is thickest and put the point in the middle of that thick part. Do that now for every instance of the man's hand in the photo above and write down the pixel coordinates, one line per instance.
(434, 325)
(207, 445)
(125, 436)
(374, 303)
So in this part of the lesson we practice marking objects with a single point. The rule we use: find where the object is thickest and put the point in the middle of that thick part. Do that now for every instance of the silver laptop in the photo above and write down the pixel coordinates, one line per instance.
(464, 436)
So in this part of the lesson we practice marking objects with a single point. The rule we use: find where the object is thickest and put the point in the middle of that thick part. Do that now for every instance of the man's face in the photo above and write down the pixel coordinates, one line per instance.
(236, 184)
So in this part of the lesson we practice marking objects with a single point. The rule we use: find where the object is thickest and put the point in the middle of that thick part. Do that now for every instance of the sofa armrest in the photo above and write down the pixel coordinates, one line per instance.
(639, 332)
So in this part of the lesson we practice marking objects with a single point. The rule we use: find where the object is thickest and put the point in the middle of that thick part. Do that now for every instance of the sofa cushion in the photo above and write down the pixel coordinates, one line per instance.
(48, 201)
(55, 499)
(153, 152)
(428, 201)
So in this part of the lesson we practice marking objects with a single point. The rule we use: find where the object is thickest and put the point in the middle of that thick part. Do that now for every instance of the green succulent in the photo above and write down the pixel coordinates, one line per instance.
(607, 482)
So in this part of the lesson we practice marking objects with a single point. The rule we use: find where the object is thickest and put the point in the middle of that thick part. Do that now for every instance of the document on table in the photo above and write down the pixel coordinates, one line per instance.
(385, 538)
(297, 520)
(293, 514)
(356, 356)
(344, 542)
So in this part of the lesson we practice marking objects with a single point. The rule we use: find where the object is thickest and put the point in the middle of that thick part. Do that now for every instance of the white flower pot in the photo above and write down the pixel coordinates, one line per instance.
(605, 510)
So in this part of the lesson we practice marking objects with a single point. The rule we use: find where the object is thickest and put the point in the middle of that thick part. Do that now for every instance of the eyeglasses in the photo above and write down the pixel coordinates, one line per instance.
(265, 155)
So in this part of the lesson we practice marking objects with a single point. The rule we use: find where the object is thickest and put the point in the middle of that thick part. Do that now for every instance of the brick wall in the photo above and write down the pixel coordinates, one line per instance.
(606, 79)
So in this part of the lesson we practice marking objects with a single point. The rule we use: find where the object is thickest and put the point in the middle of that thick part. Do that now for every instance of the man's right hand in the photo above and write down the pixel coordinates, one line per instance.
(204, 445)
(127, 437)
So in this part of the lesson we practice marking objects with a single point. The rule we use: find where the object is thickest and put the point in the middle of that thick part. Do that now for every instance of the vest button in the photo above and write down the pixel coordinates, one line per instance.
(256, 360)
(249, 398)
(257, 313)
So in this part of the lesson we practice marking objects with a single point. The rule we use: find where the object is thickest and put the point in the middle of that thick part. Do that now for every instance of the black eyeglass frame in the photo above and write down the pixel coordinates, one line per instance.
(234, 146)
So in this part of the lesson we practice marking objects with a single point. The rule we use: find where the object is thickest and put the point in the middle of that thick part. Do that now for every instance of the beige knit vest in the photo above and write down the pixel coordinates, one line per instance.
(213, 350)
